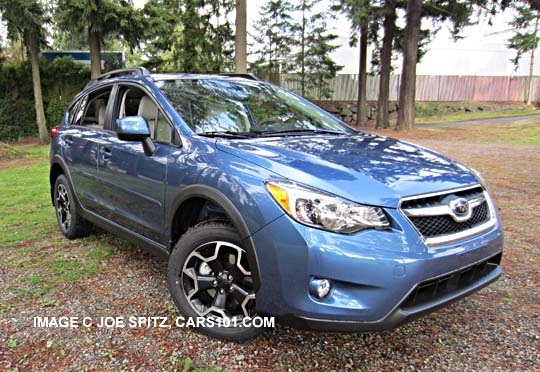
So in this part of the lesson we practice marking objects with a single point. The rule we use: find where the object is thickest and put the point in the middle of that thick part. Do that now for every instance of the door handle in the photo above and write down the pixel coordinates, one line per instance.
(68, 140)
(106, 153)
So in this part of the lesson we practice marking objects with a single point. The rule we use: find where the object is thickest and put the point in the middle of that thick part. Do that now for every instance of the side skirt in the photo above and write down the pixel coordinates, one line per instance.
(143, 242)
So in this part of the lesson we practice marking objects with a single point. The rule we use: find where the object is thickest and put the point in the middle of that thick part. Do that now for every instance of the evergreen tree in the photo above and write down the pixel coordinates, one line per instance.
(240, 42)
(275, 39)
(360, 13)
(525, 39)
(99, 19)
(313, 62)
(220, 34)
(189, 36)
(458, 12)
(313, 57)
(162, 16)
(389, 24)
(27, 18)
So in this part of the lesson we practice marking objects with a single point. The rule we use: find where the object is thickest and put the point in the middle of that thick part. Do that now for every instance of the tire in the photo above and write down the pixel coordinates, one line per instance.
(200, 256)
(71, 224)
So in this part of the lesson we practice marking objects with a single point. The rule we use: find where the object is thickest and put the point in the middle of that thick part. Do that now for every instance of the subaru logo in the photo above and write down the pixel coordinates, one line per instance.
(459, 206)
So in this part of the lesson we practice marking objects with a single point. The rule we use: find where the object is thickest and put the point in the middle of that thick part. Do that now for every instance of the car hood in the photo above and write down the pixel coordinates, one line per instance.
(365, 168)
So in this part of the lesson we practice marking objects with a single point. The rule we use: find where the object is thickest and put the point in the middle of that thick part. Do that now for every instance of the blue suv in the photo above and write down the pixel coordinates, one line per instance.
(266, 205)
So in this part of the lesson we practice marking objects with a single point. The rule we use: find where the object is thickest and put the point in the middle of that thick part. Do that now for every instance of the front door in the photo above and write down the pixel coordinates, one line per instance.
(133, 183)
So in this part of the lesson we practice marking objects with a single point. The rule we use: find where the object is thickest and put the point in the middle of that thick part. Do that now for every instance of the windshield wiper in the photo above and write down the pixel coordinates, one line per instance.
(300, 131)
(228, 133)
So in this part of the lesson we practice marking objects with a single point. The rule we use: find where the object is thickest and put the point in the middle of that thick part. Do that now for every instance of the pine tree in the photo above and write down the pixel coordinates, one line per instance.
(191, 36)
(275, 39)
(316, 66)
(458, 13)
(389, 25)
(99, 19)
(240, 42)
(360, 13)
(27, 18)
(220, 34)
(525, 39)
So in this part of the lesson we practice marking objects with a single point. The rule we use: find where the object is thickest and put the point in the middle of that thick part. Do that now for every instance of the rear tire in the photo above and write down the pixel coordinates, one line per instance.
(209, 276)
(71, 224)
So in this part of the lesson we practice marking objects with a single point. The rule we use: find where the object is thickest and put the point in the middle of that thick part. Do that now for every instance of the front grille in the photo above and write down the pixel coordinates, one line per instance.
(432, 226)
(432, 290)
(436, 220)
(430, 201)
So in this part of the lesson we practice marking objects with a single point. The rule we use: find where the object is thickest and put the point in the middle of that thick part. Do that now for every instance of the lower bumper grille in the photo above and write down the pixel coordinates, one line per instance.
(432, 290)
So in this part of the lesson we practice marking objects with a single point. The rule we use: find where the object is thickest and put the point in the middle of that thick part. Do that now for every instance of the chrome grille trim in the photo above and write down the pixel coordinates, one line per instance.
(444, 210)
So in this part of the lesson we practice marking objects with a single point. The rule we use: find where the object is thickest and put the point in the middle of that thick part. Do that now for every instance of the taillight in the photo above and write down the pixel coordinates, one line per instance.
(54, 131)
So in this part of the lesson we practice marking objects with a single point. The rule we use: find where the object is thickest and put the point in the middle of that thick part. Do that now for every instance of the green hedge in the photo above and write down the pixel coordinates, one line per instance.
(60, 81)
(17, 119)
(55, 111)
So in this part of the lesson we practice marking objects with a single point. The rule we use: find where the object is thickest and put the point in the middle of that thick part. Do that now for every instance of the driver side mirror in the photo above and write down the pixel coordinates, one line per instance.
(135, 128)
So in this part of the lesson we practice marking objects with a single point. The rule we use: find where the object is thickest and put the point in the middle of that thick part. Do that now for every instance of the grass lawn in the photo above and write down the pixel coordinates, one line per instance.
(41, 263)
(463, 116)
(28, 226)
(526, 132)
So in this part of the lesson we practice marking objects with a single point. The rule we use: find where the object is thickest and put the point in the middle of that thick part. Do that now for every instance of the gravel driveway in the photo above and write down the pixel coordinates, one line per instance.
(495, 329)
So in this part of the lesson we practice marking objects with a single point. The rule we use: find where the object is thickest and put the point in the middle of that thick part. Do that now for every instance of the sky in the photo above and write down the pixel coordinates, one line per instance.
(481, 51)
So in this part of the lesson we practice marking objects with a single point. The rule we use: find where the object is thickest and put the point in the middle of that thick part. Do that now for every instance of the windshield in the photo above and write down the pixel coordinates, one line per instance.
(220, 106)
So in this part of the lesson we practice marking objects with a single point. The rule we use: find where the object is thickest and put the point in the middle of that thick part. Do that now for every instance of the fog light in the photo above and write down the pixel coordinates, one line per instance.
(320, 288)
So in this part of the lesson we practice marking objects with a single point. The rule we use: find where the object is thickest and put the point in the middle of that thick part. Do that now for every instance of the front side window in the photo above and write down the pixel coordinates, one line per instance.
(216, 105)
(135, 102)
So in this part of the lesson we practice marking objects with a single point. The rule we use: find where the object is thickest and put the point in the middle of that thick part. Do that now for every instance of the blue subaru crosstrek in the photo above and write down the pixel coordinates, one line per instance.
(266, 205)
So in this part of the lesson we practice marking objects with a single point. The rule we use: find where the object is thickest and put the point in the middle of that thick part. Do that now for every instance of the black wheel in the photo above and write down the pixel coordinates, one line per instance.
(71, 223)
(209, 277)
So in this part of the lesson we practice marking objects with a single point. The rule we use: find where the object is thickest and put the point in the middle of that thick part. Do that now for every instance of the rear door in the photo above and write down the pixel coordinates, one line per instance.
(80, 144)
(133, 183)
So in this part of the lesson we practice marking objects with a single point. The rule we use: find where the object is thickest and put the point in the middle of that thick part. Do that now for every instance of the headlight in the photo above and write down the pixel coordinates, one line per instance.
(323, 210)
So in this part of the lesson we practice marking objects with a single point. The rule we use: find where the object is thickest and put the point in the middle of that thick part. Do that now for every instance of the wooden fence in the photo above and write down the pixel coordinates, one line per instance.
(431, 88)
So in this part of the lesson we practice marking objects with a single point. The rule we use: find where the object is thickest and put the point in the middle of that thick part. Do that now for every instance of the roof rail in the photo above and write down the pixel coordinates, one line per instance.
(240, 75)
(136, 71)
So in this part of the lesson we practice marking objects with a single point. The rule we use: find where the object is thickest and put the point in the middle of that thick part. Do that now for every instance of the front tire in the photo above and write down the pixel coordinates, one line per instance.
(72, 225)
(209, 277)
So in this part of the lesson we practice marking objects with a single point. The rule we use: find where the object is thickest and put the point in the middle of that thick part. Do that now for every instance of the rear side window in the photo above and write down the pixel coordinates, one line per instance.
(92, 109)
(73, 111)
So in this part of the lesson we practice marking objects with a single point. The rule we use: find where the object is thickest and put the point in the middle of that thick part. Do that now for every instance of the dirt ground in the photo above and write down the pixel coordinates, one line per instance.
(498, 328)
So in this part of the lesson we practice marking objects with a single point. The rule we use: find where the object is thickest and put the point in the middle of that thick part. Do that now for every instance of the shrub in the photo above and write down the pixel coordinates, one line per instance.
(60, 81)
(17, 119)
(55, 111)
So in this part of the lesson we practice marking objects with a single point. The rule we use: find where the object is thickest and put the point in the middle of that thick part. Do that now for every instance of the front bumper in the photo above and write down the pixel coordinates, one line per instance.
(374, 274)
(401, 315)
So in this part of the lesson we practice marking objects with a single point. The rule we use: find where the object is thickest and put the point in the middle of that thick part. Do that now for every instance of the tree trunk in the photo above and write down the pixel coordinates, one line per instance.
(386, 64)
(531, 66)
(408, 74)
(361, 115)
(33, 50)
(240, 43)
(95, 49)
(303, 51)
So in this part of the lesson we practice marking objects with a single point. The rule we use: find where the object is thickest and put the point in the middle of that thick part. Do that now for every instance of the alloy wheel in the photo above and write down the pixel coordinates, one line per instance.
(62, 206)
(217, 282)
